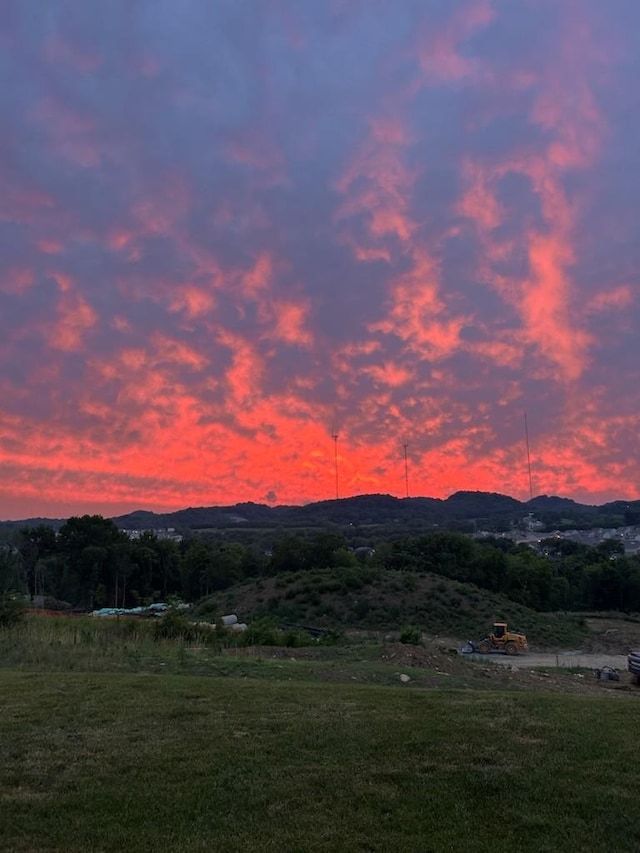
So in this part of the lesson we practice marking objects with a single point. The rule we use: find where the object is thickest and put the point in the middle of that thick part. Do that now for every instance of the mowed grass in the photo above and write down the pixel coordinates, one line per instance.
(125, 762)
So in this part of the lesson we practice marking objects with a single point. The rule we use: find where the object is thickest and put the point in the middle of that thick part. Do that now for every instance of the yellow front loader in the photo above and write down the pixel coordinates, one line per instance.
(501, 639)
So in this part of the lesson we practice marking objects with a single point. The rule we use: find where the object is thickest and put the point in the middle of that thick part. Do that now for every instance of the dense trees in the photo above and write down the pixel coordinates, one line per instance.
(91, 563)
(563, 575)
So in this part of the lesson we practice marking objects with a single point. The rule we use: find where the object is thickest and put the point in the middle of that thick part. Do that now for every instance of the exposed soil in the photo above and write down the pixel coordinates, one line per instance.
(534, 671)
(441, 657)
(612, 636)
(608, 643)
(563, 660)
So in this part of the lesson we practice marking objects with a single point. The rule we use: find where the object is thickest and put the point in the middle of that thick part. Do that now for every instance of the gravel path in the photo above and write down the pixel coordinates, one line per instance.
(569, 660)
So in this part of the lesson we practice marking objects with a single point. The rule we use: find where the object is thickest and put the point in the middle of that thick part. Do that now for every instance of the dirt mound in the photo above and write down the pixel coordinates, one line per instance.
(428, 656)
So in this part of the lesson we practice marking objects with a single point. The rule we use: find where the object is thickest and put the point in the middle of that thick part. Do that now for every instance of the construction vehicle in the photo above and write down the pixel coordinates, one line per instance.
(501, 639)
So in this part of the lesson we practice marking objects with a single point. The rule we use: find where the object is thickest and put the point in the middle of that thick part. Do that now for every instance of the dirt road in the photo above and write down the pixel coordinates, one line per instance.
(569, 660)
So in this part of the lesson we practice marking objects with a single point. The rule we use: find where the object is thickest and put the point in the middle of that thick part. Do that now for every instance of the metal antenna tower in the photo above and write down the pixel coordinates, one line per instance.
(334, 436)
(526, 438)
(406, 469)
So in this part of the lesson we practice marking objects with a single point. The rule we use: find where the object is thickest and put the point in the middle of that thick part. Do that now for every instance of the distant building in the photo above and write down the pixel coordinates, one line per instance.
(158, 532)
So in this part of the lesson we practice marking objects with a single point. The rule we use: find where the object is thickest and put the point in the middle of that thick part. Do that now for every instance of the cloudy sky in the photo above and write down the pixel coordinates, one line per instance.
(232, 228)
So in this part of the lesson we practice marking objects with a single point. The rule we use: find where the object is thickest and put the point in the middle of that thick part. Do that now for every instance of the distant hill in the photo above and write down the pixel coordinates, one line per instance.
(465, 508)
(359, 510)
(553, 503)
(56, 523)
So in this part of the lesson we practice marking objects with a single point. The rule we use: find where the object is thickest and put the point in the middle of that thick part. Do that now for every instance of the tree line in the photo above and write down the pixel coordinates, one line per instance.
(90, 563)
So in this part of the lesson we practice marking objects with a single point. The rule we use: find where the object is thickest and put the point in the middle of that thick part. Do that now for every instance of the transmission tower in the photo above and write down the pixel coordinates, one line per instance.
(334, 436)
(526, 438)
(406, 469)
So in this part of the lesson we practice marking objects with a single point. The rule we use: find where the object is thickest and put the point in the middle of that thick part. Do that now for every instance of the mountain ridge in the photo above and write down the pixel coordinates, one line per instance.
(461, 506)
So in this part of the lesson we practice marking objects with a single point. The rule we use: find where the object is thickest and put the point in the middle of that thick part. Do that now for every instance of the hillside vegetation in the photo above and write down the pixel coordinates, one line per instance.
(388, 601)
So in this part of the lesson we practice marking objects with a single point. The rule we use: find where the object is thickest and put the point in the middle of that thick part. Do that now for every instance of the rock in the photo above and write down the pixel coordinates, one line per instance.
(404, 678)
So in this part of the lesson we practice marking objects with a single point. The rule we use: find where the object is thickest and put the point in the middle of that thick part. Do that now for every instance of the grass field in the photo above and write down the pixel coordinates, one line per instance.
(178, 763)
(111, 740)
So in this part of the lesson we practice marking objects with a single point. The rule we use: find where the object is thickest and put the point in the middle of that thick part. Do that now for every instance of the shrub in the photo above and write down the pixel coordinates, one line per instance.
(294, 639)
(263, 632)
(331, 637)
(362, 608)
(330, 585)
(12, 609)
(410, 582)
(174, 626)
(328, 610)
(411, 636)
(205, 608)
(352, 580)
(51, 603)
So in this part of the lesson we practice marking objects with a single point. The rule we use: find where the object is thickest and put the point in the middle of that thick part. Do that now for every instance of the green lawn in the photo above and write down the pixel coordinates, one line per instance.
(129, 762)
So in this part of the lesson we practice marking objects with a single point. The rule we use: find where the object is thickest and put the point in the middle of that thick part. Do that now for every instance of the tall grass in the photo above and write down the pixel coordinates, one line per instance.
(171, 643)
(95, 645)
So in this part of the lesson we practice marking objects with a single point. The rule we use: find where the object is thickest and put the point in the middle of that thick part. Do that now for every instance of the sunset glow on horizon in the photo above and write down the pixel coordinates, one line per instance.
(229, 230)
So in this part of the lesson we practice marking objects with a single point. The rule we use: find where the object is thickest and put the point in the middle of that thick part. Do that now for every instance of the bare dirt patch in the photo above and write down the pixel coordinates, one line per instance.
(612, 635)
(439, 658)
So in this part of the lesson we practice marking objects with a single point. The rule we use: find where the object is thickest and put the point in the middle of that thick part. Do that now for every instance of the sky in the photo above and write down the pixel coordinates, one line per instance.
(232, 229)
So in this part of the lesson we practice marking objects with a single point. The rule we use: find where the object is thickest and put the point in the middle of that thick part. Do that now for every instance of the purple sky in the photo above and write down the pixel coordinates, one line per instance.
(229, 229)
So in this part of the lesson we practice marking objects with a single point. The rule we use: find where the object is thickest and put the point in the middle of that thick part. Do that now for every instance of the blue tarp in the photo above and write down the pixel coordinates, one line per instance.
(130, 611)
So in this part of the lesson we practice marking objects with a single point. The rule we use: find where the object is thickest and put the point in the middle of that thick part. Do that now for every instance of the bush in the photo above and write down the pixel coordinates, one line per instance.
(410, 582)
(295, 639)
(207, 607)
(12, 609)
(411, 636)
(263, 632)
(332, 637)
(174, 626)
(51, 603)
(352, 580)
(362, 608)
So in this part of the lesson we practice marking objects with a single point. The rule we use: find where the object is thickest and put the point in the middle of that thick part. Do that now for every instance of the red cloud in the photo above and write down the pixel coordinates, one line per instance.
(76, 317)
(439, 50)
(547, 298)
